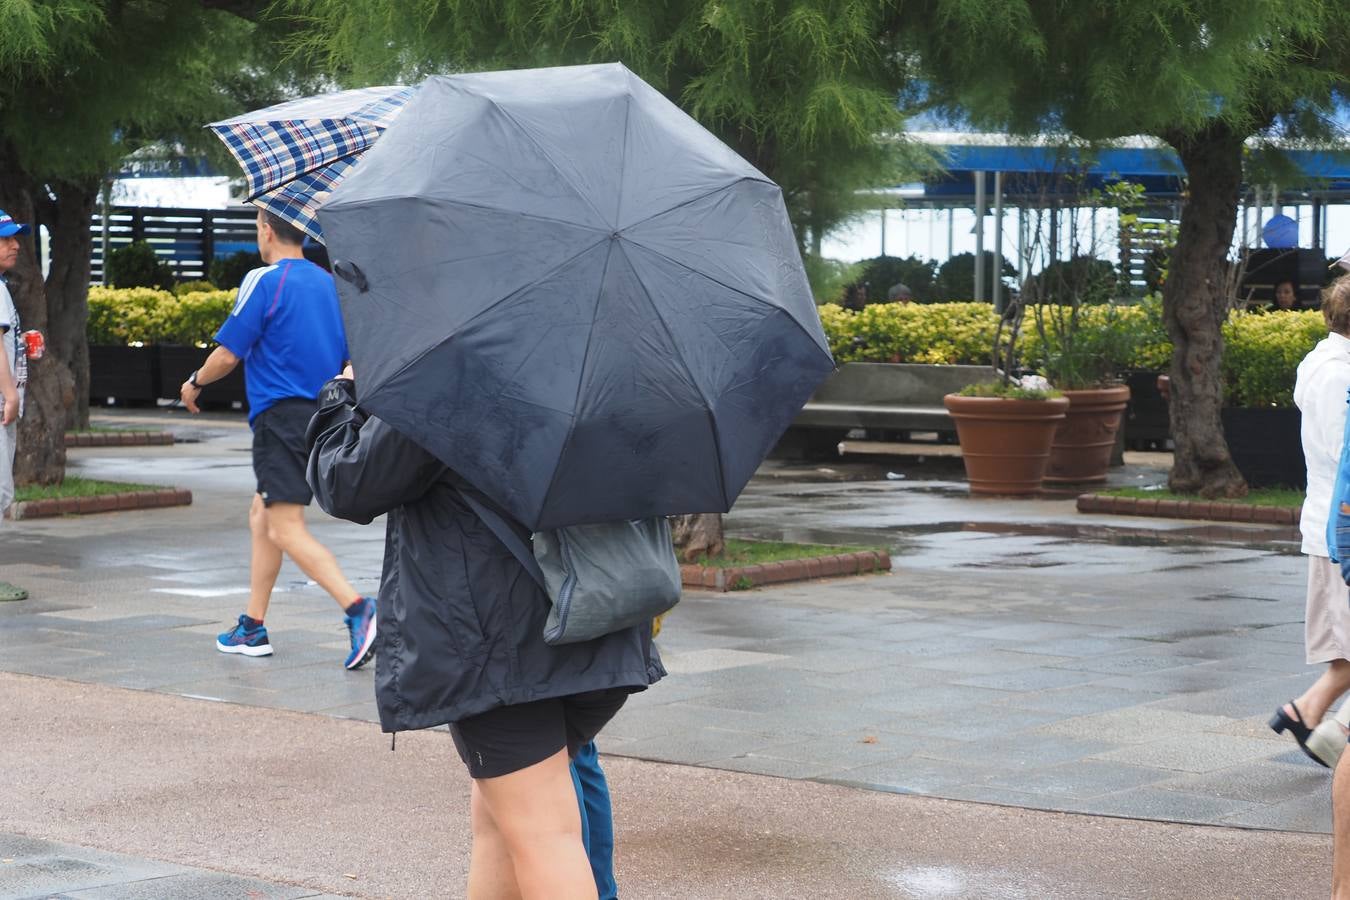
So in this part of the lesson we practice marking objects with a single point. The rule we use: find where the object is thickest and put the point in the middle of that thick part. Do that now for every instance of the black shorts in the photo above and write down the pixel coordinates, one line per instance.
(510, 738)
(280, 453)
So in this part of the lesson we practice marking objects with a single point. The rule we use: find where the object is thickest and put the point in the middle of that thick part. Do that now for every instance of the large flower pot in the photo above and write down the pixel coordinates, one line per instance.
(1005, 444)
(124, 374)
(1266, 444)
(1081, 451)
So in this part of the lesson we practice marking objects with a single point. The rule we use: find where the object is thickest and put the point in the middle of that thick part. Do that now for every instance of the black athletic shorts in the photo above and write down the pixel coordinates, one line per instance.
(280, 453)
(510, 738)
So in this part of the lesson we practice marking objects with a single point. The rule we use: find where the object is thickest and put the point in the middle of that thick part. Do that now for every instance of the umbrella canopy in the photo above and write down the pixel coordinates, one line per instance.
(293, 154)
(574, 295)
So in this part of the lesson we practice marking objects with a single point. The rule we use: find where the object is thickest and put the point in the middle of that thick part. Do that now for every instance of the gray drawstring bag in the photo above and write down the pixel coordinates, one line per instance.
(600, 578)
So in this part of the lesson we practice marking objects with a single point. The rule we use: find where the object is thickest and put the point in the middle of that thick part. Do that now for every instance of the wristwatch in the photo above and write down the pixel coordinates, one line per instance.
(192, 380)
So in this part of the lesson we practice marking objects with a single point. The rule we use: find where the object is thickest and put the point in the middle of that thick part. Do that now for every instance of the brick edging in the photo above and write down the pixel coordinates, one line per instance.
(856, 563)
(1213, 510)
(118, 438)
(81, 506)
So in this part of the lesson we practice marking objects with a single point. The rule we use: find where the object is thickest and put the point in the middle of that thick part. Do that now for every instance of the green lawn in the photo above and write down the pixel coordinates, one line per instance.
(752, 553)
(77, 487)
(1288, 498)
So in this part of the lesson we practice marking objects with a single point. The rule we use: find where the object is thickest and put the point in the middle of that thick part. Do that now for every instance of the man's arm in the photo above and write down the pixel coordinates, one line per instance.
(9, 391)
(219, 363)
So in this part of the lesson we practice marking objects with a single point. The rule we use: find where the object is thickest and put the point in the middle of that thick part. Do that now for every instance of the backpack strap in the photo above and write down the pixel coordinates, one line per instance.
(507, 535)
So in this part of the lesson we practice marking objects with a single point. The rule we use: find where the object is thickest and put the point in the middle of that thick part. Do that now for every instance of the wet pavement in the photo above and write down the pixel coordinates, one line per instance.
(1019, 653)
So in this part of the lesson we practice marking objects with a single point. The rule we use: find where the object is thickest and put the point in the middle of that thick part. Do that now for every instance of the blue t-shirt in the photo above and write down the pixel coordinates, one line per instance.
(287, 328)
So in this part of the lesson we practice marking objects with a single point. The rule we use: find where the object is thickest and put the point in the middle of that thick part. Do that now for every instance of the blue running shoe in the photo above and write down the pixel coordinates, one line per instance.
(243, 639)
(361, 626)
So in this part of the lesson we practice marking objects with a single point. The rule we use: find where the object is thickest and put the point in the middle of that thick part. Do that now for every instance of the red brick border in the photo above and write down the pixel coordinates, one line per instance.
(1213, 510)
(83, 506)
(118, 438)
(741, 577)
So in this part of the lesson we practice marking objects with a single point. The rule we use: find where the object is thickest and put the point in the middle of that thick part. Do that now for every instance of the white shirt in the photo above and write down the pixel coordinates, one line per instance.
(11, 338)
(1320, 392)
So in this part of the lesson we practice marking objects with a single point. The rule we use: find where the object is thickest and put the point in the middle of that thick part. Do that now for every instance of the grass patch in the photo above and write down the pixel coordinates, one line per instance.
(753, 553)
(1285, 498)
(77, 487)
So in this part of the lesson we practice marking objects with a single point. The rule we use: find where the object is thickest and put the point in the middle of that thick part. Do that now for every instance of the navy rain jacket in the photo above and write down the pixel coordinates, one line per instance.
(460, 621)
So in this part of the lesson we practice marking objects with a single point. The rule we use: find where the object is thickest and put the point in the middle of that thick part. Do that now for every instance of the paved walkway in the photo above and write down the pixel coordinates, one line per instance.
(1019, 654)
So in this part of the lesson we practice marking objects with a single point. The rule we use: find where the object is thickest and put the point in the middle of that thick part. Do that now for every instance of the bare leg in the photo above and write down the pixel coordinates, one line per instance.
(491, 874)
(1324, 692)
(264, 564)
(535, 811)
(286, 528)
(1340, 831)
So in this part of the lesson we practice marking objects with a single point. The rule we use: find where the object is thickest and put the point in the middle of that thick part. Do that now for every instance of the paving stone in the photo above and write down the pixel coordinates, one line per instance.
(1079, 779)
(1194, 752)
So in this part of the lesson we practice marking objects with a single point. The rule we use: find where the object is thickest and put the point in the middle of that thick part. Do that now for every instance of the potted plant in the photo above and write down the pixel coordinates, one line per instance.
(191, 321)
(123, 366)
(1260, 422)
(1005, 428)
(1083, 351)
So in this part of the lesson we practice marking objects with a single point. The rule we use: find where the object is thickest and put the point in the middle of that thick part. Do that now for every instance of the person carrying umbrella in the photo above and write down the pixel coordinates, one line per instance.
(286, 328)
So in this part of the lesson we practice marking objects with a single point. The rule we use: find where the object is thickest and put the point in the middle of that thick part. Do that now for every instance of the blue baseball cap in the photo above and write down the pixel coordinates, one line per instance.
(9, 228)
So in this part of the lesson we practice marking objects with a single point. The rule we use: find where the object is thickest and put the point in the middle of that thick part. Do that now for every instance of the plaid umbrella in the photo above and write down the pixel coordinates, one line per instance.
(294, 154)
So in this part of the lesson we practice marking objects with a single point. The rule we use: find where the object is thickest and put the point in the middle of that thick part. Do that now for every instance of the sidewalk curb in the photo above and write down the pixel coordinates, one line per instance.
(118, 438)
(737, 578)
(1213, 510)
(82, 506)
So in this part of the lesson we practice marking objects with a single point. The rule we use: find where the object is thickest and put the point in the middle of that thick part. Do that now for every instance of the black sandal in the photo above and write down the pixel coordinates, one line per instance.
(1297, 727)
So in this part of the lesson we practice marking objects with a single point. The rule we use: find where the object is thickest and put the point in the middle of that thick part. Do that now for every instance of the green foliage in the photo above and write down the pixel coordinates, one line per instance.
(956, 276)
(192, 287)
(951, 333)
(1083, 279)
(881, 273)
(1076, 346)
(147, 316)
(230, 270)
(1007, 391)
(1262, 353)
(829, 277)
(804, 89)
(137, 265)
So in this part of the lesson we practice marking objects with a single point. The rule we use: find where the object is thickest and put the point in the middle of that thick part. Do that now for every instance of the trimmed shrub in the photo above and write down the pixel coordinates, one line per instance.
(1262, 351)
(137, 265)
(192, 287)
(229, 271)
(881, 273)
(147, 316)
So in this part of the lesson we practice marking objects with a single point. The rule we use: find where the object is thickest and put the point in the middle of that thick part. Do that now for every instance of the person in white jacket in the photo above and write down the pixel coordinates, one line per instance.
(1320, 392)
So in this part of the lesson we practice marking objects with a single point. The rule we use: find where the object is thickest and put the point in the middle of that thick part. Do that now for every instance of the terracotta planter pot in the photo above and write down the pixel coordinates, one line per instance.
(1005, 444)
(1083, 442)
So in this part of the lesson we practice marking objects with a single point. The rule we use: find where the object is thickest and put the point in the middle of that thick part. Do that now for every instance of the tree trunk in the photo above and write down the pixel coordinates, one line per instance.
(698, 534)
(1196, 300)
(40, 457)
(72, 246)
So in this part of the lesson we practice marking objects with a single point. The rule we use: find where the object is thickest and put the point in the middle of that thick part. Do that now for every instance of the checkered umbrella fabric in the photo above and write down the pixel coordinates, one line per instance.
(294, 154)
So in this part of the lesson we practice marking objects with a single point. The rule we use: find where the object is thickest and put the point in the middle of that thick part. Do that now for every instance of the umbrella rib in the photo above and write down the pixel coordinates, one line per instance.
(726, 187)
(544, 153)
(688, 268)
(707, 403)
(576, 402)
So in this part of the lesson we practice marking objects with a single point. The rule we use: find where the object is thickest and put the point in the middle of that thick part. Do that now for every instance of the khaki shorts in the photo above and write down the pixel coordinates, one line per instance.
(1326, 628)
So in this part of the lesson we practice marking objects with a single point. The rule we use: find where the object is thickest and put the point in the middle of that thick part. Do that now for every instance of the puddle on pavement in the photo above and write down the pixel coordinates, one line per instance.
(934, 882)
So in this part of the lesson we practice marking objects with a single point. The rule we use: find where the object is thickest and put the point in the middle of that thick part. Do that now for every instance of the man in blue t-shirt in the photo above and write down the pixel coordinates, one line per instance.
(286, 328)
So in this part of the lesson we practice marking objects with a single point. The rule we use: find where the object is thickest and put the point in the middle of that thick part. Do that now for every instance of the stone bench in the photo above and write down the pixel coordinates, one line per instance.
(888, 400)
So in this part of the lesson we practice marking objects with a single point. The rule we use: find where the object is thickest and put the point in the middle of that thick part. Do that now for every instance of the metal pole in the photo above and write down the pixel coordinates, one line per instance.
(883, 230)
(998, 242)
(107, 211)
(951, 227)
(979, 235)
(1022, 267)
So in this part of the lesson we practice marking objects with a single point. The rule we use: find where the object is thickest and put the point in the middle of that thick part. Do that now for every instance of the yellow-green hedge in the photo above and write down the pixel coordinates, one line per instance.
(149, 316)
(1262, 349)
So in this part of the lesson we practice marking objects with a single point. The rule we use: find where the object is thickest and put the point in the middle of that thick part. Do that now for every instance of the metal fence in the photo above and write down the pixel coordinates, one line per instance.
(187, 239)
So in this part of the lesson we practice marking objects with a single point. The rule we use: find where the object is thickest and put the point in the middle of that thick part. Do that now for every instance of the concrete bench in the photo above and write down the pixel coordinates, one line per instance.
(888, 400)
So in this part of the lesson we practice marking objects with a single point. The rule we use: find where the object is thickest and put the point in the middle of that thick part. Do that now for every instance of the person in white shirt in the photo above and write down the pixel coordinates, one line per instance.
(13, 362)
(1320, 392)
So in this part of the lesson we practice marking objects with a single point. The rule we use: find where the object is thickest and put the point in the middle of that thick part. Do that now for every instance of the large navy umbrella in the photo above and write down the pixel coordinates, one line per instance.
(574, 295)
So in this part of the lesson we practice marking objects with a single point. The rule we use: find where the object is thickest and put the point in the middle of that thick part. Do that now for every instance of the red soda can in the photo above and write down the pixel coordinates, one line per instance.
(35, 343)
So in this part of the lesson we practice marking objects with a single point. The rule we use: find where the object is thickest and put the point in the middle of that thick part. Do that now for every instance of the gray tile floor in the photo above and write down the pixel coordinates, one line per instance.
(1018, 654)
